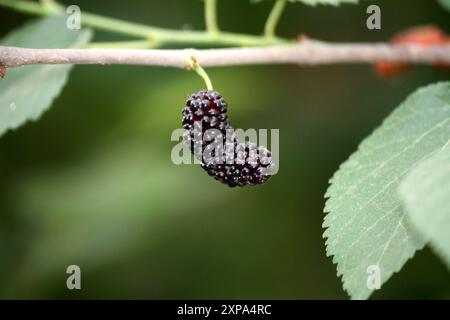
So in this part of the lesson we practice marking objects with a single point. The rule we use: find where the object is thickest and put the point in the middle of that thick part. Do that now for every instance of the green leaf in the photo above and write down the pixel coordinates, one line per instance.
(26, 92)
(445, 4)
(426, 196)
(366, 225)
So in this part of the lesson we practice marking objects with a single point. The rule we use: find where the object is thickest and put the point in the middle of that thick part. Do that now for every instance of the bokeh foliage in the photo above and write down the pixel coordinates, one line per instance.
(92, 183)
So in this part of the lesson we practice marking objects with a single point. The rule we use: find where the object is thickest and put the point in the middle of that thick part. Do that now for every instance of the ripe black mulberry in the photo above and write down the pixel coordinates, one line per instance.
(212, 140)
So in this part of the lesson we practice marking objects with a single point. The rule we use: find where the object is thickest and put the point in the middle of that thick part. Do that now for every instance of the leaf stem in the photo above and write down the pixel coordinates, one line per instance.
(211, 17)
(274, 17)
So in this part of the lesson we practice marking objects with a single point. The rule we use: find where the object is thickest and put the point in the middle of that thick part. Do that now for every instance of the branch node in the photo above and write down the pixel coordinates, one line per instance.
(191, 59)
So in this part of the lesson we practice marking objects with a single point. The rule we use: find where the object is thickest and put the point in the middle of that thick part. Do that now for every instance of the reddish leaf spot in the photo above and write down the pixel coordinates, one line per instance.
(302, 37)
(2, 72)
(421, 36)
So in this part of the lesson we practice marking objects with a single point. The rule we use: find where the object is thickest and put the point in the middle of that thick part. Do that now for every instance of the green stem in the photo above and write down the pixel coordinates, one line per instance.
(211, 17)
(163, 36)
(274, 17)
(194, 65)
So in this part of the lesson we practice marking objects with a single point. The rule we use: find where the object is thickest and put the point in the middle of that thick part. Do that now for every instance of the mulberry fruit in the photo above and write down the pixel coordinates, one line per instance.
(212, 140)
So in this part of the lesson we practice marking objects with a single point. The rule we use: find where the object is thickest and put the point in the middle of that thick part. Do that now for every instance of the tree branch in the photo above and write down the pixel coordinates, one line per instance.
(307, 53)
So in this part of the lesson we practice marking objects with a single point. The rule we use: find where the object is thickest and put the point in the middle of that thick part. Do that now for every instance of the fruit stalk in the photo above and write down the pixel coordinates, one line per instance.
(194, 65)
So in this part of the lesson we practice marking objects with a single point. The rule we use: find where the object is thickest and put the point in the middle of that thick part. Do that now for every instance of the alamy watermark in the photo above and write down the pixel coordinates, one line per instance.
(73, 281)
(73, 21)
(214, 146)
(373, 281)
(374, 20)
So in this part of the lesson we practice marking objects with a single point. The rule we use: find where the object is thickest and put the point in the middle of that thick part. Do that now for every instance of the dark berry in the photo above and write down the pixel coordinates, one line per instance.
(213, 141)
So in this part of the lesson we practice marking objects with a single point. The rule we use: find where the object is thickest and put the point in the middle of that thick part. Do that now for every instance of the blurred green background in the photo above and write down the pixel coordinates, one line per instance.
(92, 182)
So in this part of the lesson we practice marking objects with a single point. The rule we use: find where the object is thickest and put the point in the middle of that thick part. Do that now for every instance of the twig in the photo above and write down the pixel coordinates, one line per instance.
(307, 53)
(159, 35)
(136, 44)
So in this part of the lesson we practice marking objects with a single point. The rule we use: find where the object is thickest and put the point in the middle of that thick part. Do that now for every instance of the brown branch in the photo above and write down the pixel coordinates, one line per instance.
(307, 53)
